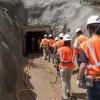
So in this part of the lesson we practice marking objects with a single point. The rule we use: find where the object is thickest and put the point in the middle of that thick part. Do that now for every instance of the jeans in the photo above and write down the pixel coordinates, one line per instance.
(83, 79)
(50, 52)
(94, 92)
(57, 67)
(57, 63)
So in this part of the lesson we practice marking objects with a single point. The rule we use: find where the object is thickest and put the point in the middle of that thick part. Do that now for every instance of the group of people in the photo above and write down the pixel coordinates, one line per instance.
(85, 50)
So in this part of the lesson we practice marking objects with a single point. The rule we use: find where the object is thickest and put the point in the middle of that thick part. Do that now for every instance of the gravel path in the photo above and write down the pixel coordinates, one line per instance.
(41, 79)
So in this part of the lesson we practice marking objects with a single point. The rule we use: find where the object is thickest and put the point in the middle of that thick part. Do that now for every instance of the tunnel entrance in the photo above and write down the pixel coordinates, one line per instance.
(33, 41)
(32, 38)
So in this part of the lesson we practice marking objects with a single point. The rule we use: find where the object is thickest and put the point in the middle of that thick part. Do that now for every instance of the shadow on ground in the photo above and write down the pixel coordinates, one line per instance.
(81, 96)
(75, 71)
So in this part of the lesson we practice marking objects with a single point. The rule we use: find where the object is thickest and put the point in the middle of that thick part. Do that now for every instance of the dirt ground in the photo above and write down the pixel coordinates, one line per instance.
(42, 80)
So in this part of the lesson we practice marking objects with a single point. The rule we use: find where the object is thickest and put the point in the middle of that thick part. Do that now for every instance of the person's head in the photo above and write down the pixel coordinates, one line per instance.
(45, 36)
(79, 31)
(56, 38)
(50, 36)
(66, 40)
(93, 25)
(61, 35)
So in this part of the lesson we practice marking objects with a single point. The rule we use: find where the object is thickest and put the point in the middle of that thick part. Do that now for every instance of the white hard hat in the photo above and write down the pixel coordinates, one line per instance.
(61, 35)
(56, 38)
(66, 37)
(93, 19)
(78, 29)
(50, 35)
(45, 35)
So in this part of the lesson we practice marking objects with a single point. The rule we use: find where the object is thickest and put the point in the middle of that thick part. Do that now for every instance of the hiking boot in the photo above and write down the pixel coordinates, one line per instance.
(45, 58)
(68, 95)
(84, 86)
(58, 72)
(54, 66)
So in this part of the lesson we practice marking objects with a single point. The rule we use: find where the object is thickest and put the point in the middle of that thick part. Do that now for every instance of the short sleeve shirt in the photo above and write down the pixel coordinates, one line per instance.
(76, 44)
(83, 58)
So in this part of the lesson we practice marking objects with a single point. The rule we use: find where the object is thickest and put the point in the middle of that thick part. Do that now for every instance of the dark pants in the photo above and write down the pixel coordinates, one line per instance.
(94, 92)
(83, 79)
(57, 63)
(50, 52)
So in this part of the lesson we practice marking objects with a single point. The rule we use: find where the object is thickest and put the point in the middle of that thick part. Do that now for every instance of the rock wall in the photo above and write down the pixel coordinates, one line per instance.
(60, 14)
(12, 17)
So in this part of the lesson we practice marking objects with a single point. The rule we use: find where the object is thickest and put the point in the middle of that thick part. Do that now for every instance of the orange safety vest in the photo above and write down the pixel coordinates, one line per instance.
(66, 55)
(60, 43)
(80, 39)
(50, 42)
(91, 48)
(55, 43)
(44, 42)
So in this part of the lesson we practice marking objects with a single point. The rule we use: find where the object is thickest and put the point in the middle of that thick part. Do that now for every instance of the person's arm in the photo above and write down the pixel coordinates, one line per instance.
(75, 48)
(83, 66)
(55, 49)
(41, 45)
(82, 70)
(76, 44)
(83, 59)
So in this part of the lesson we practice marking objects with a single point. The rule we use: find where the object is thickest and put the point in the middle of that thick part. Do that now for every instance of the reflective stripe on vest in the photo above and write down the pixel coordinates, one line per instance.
(65, 61)
(93, 55)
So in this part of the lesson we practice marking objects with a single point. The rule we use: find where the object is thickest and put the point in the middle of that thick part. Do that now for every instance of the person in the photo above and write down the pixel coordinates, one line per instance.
(39, 42)
(58, 45)
(66, 54)
(55, 41)
(90, 59)
(43, 44)
(33, 44)
(50, 46)
(80, 38)
(54, 55)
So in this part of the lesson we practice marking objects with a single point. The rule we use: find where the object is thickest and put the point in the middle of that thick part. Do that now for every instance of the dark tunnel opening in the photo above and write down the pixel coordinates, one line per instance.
(33, 42)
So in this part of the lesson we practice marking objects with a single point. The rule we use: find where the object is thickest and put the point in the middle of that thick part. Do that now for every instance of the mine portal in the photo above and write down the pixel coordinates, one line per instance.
(32, 36)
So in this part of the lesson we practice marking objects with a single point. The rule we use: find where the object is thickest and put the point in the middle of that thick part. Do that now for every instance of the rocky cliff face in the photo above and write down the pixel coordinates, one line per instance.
(60, 14)
(12, 17)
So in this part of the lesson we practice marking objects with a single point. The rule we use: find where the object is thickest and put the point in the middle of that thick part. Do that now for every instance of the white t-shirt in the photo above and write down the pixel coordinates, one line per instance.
(76, 44)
